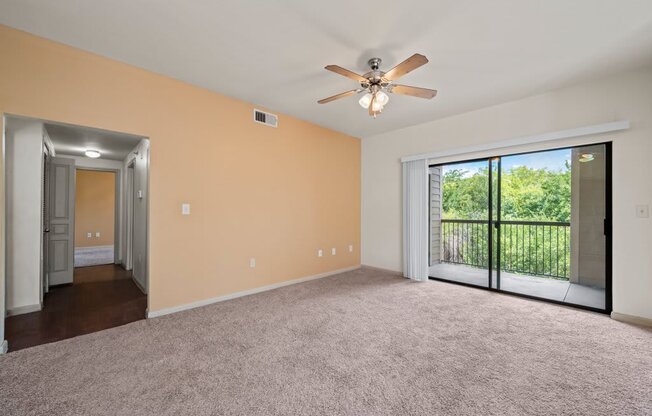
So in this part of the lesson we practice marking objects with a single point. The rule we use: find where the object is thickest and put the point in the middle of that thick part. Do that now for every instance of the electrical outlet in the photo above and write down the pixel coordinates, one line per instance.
(185, 209)
(89, 235)
(97, 234)
(333, 251)
(252, 263)
(351, 248)
(320, 253)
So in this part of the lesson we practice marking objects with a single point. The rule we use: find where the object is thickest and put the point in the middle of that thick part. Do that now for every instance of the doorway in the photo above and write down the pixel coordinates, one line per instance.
(96, 222)
(532, 224)
(66, 215)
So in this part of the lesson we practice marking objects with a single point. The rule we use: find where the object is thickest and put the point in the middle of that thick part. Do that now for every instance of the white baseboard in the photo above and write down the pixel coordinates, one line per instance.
(167, 311)
(19, 310)
(4, 347)
(81, 248)
(380, 269)
(631, 319)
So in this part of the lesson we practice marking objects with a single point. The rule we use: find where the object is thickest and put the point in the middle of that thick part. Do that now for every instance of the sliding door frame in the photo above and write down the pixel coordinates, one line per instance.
(490, 228)
(608, 227)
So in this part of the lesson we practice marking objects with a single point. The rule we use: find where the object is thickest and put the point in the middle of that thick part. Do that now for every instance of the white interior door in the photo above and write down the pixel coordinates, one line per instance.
(61, 248)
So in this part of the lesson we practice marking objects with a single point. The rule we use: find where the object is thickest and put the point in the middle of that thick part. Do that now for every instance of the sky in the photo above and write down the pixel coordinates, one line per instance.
(554, 160)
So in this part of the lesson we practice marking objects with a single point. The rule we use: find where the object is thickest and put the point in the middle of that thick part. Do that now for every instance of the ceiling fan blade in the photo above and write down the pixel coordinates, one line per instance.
(409, 65)
(414, 91)
(346, 73)
(338, 96)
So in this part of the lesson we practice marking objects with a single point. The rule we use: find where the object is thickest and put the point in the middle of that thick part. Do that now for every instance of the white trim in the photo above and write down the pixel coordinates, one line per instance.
(382, 270)
(48, 143)
(235, 295)
(631, 319)
(4, 347)
(545, 137)
(19, 310)
(86, 248)
(117, 201)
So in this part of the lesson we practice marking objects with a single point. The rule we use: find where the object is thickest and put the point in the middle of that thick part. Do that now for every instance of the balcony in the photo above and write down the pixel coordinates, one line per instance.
(535, 259)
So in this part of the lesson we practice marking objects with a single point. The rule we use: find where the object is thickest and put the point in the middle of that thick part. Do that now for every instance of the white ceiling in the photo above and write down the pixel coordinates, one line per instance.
(272, 53)
(74, 141)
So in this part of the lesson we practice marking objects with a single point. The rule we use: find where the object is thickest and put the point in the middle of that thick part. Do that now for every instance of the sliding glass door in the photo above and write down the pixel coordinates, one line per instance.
(534, 224)
(459, 222)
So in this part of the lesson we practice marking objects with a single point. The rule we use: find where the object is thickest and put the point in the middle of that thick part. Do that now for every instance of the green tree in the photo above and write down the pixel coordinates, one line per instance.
(465, 196)
(526, 194)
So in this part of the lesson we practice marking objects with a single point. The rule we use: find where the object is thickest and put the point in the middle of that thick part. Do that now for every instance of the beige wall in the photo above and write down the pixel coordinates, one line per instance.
(276, 194)
(94, 208)
(623, 96)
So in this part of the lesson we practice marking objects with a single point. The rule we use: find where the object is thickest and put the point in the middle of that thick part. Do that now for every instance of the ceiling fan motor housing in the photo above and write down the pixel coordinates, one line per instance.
(374, 63)
(375, 76)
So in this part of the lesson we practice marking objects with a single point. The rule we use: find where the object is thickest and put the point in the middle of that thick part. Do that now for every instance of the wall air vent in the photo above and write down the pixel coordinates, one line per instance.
(267, 119)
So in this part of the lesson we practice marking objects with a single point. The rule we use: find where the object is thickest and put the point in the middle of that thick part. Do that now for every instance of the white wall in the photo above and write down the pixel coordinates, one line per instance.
(24, 158)
(140, 155)
(625, 96)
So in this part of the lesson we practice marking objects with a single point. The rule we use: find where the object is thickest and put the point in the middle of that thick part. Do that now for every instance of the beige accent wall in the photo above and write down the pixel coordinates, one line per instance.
(94, 208)
(276, 194)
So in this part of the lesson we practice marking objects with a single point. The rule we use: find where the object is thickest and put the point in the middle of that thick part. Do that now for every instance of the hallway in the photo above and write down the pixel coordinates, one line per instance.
(101, 297)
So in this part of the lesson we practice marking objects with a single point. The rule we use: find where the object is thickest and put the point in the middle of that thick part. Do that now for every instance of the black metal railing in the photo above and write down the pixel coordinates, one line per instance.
(527, 247)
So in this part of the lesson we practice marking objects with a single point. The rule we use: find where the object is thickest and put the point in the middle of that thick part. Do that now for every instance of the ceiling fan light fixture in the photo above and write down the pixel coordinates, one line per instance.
(382, 98)
(376, 107)
(365, 100)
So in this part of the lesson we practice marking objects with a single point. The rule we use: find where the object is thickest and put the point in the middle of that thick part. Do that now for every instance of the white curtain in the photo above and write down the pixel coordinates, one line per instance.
(415, 219)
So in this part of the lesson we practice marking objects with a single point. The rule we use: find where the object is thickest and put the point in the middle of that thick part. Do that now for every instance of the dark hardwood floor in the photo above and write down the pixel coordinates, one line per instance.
(101, 297)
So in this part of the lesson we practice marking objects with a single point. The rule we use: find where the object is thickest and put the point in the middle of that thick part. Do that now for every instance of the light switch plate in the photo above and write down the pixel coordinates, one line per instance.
(97, 234)
(350, 248)
(320, 253)
(89, 235)
(140, 194)
(333, 251)
(185, 209)
(252, 263)
(642, 211)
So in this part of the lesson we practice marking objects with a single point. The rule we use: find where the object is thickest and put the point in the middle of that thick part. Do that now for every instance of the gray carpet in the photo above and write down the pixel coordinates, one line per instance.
(93, 256)
(360, 343)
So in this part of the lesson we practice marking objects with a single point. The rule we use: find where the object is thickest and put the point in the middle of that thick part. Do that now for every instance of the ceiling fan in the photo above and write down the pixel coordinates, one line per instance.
(377, 83)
